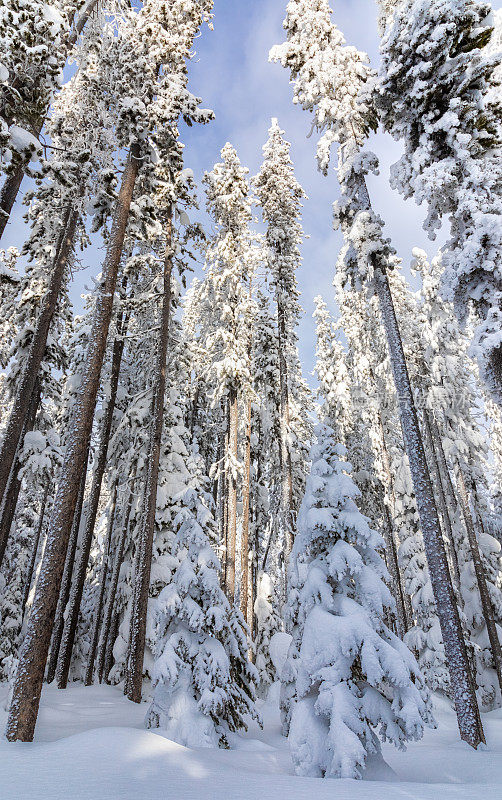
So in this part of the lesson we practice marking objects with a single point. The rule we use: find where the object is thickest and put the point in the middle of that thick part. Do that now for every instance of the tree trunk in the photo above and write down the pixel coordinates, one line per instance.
(140, 604)
(71, 621)
(388, 531)
(232, 491)
(403, 616)
(10, 498)
(12, 183)
(468, 717)
(31, 369)
(112, 591)
(286, 467)
(484, 594)
(29, 677)
(438, 481)
(104, 573)
(31, 567)
(64, 591)
(114, 631)
(245, 518)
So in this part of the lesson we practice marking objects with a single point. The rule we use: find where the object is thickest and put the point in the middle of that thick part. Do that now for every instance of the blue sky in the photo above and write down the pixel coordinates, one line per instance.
(232, 75)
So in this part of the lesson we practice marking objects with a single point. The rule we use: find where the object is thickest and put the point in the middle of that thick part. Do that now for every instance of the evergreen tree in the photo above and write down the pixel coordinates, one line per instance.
(437, 94)
(203, 682)
(331, 80)
(352, 676)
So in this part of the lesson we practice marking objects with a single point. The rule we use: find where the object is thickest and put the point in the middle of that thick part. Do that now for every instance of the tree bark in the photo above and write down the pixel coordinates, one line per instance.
(31, 566)
(232, 491)
(245, 518)
(438, 480)
(401, 616)
(29, 677)
(71, 621)
(31, 369)
(11, 495)
(286, 466)
(112, 591)
(64, 591)
(468, 716)
(99, 608)
(140, 604)
(484, 594)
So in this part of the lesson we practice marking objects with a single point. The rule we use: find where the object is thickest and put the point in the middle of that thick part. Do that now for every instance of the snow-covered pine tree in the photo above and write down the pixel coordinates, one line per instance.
(332, 374)
(280, 197)
(437, 94)
(268, 623)
(80, 166)
(203, 684)
(231, 259)
(36, 39)
(156, 35)
(330, 79)
(354, 680)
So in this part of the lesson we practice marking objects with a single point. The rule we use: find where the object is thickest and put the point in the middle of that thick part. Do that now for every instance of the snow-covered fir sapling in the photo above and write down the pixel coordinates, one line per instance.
(204, 684)
(268, 623)
(354, 682)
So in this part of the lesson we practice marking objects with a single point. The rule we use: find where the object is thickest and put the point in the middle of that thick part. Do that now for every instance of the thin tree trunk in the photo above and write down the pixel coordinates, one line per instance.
(12, 183)
(286, 466)
(114, 630)
(29, 677)
(99, 608)
(31, 566)
(64, 591)
(438, 481)
(11, 496)
(112, 591)
(391, 552)
(484, 594)
(468, 717)
(140, 604)
(232, 491)
(403, 616)
(71, 621)
(245, 518)
(31, 368)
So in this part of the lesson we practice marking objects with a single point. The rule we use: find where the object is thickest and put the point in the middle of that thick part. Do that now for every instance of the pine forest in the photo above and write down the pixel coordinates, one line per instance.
(250, 399)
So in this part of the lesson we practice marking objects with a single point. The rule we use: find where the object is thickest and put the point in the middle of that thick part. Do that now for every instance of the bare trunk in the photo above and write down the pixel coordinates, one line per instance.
(109, 646)
(112, 591)
(391, 552)
(232, 492)
(438, 481)
(140, 606)
(11, 495)
(31, 368)
(71, 621)
(403, 615)
(484, 594)
(245, 519)
(287, 477)
(29, 677)
(99, 608)
(468, 717)
(64, 591)
(31, 566)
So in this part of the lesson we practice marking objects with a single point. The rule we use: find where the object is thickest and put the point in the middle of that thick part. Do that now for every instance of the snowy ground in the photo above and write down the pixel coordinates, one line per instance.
(90, 744)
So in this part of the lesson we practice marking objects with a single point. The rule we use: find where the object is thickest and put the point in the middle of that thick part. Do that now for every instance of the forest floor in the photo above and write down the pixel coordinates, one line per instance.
(90, 744)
